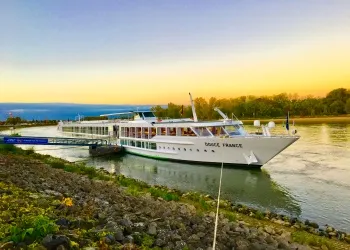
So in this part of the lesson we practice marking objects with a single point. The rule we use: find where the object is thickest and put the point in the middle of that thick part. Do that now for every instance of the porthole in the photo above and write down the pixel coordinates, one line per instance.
(190, 149)
(168, 147)
(205, 150)
(184, 149)
(213, 151)
(178, 148)
(173, 148)
(197, 150)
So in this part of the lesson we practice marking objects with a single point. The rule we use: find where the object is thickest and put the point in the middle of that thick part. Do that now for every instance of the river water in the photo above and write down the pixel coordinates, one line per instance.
(309, 180)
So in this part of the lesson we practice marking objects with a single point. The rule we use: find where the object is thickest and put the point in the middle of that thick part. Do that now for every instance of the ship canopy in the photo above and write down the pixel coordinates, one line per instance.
(136, 115)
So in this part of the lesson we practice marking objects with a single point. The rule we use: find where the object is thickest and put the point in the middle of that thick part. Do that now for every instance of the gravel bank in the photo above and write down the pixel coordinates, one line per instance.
(101, 215)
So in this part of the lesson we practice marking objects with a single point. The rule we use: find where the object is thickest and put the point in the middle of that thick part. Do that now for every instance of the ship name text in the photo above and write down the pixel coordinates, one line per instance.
(225, 145)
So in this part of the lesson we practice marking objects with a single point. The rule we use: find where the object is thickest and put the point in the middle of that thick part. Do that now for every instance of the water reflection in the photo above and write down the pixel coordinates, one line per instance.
(251, 187)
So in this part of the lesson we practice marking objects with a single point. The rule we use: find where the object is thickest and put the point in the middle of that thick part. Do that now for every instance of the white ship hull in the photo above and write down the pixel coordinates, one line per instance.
(253, 151)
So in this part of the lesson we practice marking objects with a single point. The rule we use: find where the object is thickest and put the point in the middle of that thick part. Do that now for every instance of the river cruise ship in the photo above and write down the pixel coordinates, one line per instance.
(214, 142)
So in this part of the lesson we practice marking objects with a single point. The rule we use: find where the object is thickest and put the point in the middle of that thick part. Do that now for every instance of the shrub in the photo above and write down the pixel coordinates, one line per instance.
(57, 164)
(30, 228)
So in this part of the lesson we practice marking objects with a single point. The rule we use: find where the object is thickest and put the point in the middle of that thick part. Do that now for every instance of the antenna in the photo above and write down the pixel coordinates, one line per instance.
(193, 109)
(221, 113)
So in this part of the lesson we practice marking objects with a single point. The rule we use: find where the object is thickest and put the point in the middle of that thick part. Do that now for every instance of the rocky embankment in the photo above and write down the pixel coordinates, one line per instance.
(46, 206)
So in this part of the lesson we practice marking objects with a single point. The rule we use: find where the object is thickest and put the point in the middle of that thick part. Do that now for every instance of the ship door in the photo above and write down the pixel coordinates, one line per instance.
(116, 131)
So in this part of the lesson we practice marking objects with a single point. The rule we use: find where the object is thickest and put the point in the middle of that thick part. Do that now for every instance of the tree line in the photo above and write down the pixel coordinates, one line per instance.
(336, 102)
(18, 120)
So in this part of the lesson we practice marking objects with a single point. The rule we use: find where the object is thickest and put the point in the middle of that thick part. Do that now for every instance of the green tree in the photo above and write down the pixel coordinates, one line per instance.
(159, 111)
(14, 120)
(347, 106)
(173, 111)
(337, 107)
(336, 102)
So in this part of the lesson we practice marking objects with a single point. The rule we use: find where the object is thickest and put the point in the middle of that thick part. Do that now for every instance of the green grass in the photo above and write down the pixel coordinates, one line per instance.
(165, 195)
(12, 149)
(303, 237)
(21, 219)
(231, 216)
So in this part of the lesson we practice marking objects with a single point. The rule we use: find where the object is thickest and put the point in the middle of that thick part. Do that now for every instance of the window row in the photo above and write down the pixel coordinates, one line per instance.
(147, 133)
(87, 130)
(139, 144)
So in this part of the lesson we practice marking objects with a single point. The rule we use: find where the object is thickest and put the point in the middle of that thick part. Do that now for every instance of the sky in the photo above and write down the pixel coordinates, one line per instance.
(155, 52)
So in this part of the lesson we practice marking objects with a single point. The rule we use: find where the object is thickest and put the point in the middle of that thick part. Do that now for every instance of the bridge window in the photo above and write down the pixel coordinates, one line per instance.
(126, 132)
(153, 132)
(132, 132)
(145, 133)
(171, 131)
(138, 132)
(152, 145)
(148, 114)
(187, 132)
(232, 130)
(217, 131)
(202, 131)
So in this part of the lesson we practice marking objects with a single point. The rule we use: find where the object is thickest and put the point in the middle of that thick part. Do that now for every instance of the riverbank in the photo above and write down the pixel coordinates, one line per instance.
(303, 120)
(8, 127)
(93, 208)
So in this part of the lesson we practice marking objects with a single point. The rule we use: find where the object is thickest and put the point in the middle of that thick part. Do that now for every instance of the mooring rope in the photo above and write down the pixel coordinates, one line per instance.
(218, 203)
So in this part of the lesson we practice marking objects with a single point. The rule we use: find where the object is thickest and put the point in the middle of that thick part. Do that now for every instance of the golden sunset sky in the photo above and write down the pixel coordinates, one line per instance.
(113, 52)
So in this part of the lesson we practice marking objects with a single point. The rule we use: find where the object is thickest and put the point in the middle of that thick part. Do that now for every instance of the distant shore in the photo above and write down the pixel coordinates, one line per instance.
(247, 121)
(303, 120)
(8, 127)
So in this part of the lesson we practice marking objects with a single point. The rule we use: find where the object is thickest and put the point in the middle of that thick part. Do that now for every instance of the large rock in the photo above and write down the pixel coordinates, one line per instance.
(128, 239)
(160, 242)
(52, 242)
(179, 245)
(257, 246)
(118, 235)
(269, 230)
(271, 240)
(109, 239)
(125, 222)
(54, 193)
(152, 228)
(194, 238)
(242, 245)
(283, 244)
(63, 222)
